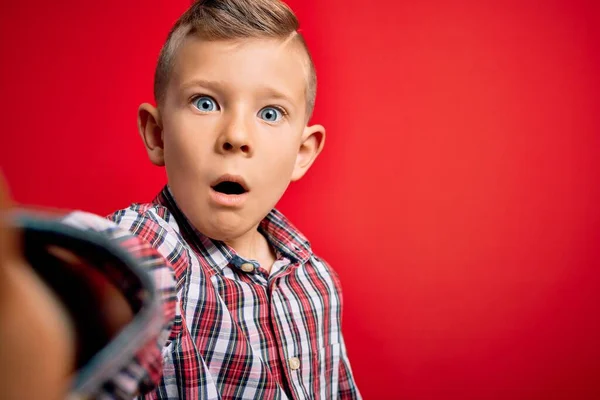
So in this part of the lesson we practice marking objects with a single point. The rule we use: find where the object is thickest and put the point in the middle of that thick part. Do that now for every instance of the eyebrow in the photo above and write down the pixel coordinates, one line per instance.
(273, 93)
(214, 85)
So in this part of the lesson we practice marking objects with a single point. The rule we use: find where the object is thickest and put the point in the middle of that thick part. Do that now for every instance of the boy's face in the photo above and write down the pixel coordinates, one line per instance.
(234, 111)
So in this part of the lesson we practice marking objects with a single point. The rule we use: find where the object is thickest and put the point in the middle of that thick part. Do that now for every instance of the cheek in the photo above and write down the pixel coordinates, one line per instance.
(282, 147)
(282, 159)
(185, 142)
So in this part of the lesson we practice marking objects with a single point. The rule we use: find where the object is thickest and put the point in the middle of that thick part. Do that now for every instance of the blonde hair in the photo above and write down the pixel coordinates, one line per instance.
(230, 20)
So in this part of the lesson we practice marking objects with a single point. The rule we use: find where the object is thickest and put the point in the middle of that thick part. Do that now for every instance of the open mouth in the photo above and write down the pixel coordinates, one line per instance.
(229, 187)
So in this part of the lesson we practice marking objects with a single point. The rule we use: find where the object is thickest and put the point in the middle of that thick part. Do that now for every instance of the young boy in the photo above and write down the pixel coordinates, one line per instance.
(258, 314)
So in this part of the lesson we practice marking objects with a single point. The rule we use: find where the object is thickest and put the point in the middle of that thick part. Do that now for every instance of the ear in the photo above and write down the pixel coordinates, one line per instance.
(313, 140)
(150, 128)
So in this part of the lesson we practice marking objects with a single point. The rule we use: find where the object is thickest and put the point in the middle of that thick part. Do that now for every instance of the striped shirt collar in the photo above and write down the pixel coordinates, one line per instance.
(287, 241)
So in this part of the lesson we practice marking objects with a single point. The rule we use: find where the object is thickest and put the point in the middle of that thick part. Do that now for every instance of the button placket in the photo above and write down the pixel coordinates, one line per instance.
(247, 267)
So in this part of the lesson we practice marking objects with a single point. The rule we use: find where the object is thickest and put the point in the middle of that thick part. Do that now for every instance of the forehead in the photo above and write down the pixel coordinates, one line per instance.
(246, 65)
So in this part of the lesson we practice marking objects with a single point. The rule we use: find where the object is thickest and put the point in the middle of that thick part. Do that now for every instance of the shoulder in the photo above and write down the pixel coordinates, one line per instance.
(156, 225)
(148, 256)
(324, 267)
(145, 218)
(153, 224)
(290, 239)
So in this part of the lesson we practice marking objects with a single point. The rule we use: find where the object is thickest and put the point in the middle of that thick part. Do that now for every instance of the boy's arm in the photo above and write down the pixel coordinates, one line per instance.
(347, 385)
(144, 371)
(347, 388)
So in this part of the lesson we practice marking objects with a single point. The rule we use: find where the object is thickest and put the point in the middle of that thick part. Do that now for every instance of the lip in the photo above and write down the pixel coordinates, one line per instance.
(229, 200)
(231, 178)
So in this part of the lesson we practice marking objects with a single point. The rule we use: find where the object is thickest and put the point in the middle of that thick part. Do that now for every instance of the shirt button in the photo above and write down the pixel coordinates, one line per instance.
(294, 363)
(247, 267)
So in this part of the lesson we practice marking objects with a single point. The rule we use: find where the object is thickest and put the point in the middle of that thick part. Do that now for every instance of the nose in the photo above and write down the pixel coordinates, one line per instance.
(235, 137)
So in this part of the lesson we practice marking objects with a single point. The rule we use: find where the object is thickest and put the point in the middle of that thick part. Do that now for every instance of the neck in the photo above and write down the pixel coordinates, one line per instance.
(253, 246)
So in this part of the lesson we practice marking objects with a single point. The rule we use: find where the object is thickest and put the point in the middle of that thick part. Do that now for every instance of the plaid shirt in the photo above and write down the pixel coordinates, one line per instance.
(240, 332)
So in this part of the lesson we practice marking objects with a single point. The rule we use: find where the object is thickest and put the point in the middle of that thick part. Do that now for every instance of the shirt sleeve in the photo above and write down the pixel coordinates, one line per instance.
(347, 388)
(346, 384)
(143, 372)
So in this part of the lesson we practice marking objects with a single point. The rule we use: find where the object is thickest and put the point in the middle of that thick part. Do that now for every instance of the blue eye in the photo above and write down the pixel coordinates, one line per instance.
(205, 103)
(270, 114)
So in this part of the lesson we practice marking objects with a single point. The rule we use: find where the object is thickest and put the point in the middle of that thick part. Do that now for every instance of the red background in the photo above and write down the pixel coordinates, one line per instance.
(457, 196)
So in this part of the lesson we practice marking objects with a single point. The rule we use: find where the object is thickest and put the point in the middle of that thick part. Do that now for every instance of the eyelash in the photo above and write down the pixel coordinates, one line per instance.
(279, 108)
(197, 96)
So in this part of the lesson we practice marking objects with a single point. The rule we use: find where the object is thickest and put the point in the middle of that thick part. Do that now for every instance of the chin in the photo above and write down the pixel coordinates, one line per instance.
(225, 227)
